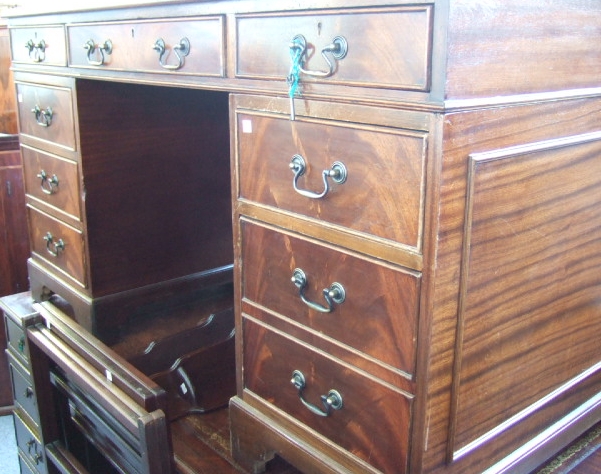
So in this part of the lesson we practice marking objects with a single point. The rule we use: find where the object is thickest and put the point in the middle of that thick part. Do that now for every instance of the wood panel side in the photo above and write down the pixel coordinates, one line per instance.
(530, 285)
(463, 135)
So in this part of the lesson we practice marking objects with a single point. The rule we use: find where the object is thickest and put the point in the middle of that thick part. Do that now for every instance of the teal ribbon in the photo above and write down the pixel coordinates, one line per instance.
(294, 76)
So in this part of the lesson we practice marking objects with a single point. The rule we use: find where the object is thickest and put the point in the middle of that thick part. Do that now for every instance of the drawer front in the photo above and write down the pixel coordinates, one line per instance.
(270, 358)
(387, 47)
(133, 46)
(39, 45)
(52, 179)
(58, 244)
(16, 339)
(378, 316)
(46, 114)
(382, 195)
(25, 469)
(23, 392)
(30, 446)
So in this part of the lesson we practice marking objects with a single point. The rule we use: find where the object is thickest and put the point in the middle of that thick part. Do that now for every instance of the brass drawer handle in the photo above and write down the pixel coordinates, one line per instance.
(43, 117)
(338, 173)
(48, 185)
(298, 50)
(54, 247)
(38, 458)
(338, 49)
(37, 49)
(331, 401)
(334, 294)
(92, 47)
(31, 444)
(181, 51)
(35, 456)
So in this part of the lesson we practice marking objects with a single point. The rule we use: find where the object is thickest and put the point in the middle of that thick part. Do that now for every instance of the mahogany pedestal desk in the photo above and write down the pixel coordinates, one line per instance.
(412, 191)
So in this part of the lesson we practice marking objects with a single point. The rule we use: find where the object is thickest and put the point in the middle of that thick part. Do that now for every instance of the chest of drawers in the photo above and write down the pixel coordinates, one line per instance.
(18, 314)
(409, 197)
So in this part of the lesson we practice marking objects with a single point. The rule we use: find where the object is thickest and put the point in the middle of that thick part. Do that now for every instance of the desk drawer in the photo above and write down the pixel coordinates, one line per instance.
(378, 316)
(43, 45)
(58, 244)
(368, 407)
(25, 468)
(133, 46)
(388, 47)
(23, 390)
(52, 180)
(382, 194)
(16, 339)
(30, 447)
(46, 114)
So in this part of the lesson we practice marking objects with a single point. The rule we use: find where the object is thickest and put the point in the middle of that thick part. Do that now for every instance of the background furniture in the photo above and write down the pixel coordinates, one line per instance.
(17, 314)
(14, 241)
(414, 191)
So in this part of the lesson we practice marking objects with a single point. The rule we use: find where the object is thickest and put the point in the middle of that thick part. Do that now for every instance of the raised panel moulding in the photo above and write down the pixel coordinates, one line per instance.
(529, 287)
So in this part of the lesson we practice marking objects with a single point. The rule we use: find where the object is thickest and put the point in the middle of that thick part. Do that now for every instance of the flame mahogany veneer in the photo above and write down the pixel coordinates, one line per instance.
(420, 245)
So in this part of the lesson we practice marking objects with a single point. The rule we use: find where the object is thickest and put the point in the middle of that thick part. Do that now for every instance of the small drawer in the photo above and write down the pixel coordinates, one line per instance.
(378, 316)
(23, 391)
(46, 114)
(30, 447)
(386, 47)
(189, 46)
(270, 361)
(52, 180)
(379, 173)
(58, 244)
(43, 45)
(17, 340)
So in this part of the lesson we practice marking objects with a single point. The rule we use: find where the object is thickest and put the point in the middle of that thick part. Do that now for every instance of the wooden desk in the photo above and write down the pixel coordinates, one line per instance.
(416, 235)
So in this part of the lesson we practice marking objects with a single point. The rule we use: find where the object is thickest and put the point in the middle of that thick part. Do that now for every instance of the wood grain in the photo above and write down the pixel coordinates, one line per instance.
(384, 166)
(269, 360)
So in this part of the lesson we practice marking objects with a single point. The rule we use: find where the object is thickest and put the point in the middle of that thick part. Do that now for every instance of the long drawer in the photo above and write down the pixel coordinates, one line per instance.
(377, 315)
(274, 368)
(188, 46)
(58, 244)
(52, 180)
(365, 178)
(386, 47)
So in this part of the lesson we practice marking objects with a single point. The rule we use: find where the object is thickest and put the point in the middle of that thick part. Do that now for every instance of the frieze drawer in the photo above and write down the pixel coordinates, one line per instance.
(370, 308)
(274, 368)
(385, 47)
(46, 116)
(188, 46)
(44, 45)
(52, 180)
